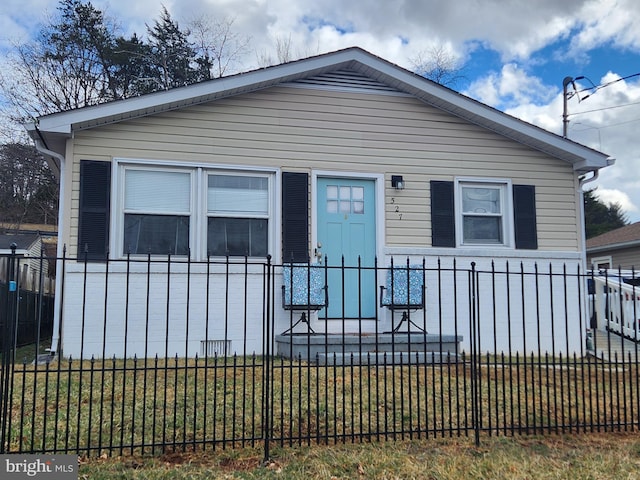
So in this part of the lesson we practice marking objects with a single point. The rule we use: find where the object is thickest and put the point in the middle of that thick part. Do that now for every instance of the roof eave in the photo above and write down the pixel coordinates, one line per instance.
(614, 246)
(60, 125)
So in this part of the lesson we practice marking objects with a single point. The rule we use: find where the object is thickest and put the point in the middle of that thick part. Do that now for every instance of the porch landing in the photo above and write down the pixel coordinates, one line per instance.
(369, 349)
(611, 347)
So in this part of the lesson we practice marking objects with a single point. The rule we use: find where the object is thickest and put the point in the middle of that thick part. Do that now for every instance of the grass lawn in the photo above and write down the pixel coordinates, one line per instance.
(109, 408)
(592, 456)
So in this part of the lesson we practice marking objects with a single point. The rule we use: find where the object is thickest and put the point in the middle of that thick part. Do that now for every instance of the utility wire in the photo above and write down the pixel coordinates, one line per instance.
(601, 86)
(609, 125)
(603, 108)
(594, 88)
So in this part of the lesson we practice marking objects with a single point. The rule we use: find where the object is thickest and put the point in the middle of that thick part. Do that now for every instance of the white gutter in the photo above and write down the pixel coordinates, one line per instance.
(596, 174)
(60, 247)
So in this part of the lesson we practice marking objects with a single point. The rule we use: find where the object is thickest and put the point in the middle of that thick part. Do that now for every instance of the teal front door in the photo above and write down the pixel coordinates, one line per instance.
(347, 228)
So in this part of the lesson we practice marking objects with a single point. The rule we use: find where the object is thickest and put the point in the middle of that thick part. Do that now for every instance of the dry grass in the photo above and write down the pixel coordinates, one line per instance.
(611, 456)
(180, 408)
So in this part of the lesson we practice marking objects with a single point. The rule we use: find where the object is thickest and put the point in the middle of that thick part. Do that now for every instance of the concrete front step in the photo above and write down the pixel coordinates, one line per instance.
(308, 347)
(387, 358)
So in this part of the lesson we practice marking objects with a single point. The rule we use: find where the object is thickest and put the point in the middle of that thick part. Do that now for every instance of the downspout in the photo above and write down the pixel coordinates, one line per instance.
(583, 238)
(50, 155)
(583, 247)
(55, 340)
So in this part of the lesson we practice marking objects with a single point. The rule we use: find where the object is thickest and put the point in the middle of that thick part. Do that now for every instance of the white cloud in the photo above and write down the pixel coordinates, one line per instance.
(607, 121)
(613, 196)
(510, 87)
(397, 30)
(605, 21)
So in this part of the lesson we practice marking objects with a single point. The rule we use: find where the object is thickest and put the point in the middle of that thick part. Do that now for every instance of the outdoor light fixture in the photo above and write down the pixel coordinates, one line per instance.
(397, 182)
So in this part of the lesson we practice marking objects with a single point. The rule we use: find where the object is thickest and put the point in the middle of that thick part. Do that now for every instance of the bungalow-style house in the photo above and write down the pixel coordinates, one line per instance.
(341, 154)
(619, 248)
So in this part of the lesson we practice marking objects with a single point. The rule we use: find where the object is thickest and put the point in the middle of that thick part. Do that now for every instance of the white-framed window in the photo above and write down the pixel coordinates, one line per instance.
(208, 211)
(157, 211)
(602, 263)
(483, 212)
(237, 214)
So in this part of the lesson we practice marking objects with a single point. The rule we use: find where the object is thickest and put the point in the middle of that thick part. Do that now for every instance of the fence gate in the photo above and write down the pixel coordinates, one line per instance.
(8, 320)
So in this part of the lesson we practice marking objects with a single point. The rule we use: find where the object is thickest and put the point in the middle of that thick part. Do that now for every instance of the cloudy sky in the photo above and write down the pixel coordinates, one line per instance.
(514, 54)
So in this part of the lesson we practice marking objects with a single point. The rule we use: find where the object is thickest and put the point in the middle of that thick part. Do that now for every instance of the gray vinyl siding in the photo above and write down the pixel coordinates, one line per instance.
(300, 129)
(625, 258)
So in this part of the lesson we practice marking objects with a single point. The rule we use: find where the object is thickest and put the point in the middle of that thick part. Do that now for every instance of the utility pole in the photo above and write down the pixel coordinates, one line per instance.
(565, 115)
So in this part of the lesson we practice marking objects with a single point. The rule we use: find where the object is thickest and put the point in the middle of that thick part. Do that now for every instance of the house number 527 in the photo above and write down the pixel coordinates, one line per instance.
(397, 208)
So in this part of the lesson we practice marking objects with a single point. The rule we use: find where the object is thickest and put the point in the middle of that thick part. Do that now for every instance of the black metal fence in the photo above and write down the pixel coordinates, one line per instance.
(155, 354)
(34, 311)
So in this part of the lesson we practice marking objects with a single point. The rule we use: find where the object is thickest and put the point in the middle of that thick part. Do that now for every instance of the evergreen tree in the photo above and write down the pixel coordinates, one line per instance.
(600, 218)
(172, 57)
(134, 72)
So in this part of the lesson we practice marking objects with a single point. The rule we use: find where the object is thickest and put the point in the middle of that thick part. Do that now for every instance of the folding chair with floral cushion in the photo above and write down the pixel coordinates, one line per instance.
(303, 289)
(404, 291)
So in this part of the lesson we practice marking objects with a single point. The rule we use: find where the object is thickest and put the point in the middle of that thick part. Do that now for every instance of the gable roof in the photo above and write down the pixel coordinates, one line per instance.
(52, 130)
(623, 237)
(23, 242)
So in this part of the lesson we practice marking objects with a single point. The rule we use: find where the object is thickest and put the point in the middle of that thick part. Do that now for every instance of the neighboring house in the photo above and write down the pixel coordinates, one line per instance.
(269, 161)
(619, 248)
(31, 263)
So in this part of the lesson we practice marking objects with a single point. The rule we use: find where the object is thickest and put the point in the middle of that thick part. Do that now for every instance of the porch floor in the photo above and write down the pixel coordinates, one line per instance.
(611, 347)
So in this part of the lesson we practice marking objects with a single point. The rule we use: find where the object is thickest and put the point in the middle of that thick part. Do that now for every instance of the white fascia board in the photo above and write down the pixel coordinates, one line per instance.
(500, 122)
(64, 122)
(582, 158)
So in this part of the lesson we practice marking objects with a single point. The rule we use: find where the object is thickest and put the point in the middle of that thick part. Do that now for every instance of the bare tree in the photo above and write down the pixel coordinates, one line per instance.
(284, 52)
(29, 189)
(438, 64)
(66, 67)
(218, 47)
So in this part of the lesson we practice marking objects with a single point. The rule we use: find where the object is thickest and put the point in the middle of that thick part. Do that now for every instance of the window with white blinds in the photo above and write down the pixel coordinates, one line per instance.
(246, 195)
(157, 191)
(157, 211)
(176, 211)
(483, 209)
(238, 213)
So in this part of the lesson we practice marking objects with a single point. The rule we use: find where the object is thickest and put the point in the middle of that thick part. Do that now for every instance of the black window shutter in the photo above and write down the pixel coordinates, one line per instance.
(443, 230)
(295, 217)
(93, 226)
(524, 216)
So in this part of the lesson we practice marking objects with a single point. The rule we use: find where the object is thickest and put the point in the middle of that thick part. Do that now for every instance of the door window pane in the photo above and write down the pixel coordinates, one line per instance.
(345, 199)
